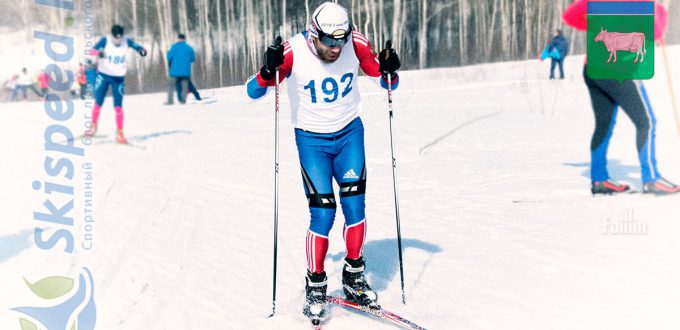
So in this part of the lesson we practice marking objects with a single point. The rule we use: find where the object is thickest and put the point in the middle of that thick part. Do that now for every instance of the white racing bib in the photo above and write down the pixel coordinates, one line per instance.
(114, 62)
(324, 97)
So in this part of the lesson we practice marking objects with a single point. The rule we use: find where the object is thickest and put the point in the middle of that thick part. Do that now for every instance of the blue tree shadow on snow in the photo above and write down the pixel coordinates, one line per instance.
(382, 259)
(617, 170)
(12, 245)
(139, 138)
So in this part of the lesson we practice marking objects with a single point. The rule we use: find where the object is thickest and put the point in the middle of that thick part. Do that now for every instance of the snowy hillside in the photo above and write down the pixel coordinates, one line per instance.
(500, 230)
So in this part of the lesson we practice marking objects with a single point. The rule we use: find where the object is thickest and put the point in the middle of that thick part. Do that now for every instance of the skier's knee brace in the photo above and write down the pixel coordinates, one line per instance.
(323, 201)
(354, 188)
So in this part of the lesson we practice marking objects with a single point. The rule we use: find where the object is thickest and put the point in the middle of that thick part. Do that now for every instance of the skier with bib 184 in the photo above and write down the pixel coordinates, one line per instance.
(112, 66)
(321, 66)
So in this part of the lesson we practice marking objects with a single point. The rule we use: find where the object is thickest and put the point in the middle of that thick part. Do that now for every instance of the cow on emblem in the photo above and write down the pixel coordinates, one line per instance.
(615, 41)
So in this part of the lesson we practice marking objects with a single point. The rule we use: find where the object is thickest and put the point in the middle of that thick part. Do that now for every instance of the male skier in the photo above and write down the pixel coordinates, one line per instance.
(112, 66)
(321, 66)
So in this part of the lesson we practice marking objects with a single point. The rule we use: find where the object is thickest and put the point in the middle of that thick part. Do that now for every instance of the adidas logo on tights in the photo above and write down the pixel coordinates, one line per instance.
(350, 175)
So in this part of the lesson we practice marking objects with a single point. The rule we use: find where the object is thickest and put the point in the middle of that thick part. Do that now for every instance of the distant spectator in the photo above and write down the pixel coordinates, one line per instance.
(9, 87)
(24, 82)
(180, 58)
(82, 80)
(43, 80)
(558, 50)
(90, 75)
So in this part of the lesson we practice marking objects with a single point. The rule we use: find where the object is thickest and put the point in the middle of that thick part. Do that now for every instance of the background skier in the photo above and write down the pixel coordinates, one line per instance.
(112, 67)
(606, 97)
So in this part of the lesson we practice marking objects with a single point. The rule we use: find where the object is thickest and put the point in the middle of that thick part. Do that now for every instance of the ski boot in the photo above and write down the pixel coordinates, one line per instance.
(355, 286)
(120, 137)
(315, 303)
(660, 187)
(608, 187)
(90, 132)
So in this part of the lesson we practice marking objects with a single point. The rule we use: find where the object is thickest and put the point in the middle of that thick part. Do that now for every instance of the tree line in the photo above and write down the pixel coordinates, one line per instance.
(230, 36)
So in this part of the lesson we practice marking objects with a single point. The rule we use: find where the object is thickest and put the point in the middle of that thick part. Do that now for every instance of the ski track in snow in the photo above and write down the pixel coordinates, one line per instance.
(499, 229)
(453, 131)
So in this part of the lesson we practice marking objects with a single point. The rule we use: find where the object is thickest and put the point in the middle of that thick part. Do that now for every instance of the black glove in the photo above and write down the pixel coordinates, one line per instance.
(273, 58)
(389, 61)
(142, 52)
(101, 54)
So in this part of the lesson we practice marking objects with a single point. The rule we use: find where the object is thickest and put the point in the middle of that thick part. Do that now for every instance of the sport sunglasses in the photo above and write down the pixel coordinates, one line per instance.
(334, 41)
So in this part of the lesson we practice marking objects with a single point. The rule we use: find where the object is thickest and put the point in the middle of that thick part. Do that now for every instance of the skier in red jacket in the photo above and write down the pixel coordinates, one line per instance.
(606, 97)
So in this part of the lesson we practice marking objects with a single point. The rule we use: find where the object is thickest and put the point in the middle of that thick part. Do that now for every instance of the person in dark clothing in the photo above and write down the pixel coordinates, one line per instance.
(607, 96)
(193, 90)
(631, 96)
(559, 46)
(24, 82)
(90, 76)
(180, 58)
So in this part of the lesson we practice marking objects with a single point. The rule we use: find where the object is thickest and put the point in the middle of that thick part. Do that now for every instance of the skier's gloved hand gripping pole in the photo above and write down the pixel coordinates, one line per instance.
(389, 64)
(273, 58)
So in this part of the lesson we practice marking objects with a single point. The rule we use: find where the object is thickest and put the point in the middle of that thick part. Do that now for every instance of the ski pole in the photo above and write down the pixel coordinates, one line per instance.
(388, 45)
(276, 182)
(670, 86)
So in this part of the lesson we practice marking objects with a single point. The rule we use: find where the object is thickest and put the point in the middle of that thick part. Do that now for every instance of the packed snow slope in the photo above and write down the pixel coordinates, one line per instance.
(499, 228)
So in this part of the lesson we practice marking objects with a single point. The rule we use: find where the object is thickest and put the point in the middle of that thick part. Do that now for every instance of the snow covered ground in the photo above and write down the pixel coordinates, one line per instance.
(498, 225)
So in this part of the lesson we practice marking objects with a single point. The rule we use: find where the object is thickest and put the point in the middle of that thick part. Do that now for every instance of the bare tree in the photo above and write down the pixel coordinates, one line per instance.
(422, 35)
(220, 43)
(230, 35)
